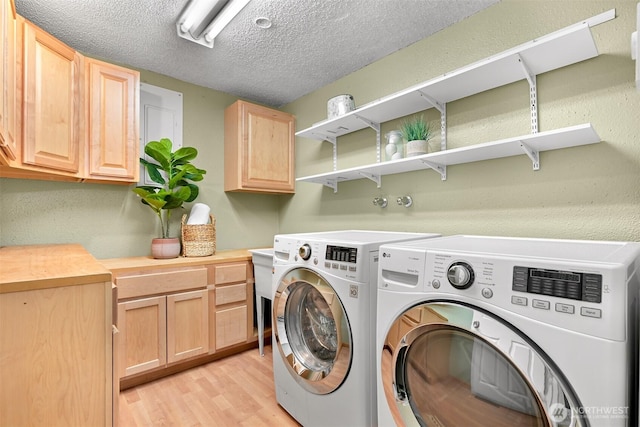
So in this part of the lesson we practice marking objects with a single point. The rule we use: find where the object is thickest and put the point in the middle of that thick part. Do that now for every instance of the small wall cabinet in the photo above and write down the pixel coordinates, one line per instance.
(258, 149)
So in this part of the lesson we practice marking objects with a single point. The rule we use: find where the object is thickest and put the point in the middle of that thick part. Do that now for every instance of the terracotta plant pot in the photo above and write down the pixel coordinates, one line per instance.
(165, 248)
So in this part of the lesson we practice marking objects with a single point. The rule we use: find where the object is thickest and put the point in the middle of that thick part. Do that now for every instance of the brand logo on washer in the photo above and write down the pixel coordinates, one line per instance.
(386, 255)
(558, 412)
(353, 291)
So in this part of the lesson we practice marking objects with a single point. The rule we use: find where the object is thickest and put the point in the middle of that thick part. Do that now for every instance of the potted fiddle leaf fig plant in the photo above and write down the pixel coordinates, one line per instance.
(417, 133)
(176, 175)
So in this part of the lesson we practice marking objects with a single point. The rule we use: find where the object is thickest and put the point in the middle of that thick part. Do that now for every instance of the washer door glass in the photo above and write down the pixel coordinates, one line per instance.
(312, 331)
(452, 365)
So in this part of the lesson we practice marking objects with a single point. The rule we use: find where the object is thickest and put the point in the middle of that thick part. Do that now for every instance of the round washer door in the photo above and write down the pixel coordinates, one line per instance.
(448, 364)
(312, 331)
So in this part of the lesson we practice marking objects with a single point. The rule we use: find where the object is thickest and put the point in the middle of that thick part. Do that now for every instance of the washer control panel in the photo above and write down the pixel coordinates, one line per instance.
(562, 284)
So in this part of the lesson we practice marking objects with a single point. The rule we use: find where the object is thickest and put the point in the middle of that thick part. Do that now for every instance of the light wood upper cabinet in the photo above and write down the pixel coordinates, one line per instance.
(258, 149)
(74, 118)
(8, 81)
(112, 96)
(52, 104)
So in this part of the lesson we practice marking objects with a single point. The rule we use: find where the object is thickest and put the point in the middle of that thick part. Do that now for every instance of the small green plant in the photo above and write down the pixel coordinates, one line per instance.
(416, 129)
(175, 174)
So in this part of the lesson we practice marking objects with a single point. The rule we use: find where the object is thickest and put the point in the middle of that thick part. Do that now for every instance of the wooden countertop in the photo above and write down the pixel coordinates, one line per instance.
(136, 263)
(31, 267)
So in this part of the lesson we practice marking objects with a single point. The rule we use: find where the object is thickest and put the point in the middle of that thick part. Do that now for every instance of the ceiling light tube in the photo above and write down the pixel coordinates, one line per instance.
(230, 10)
(202, 20)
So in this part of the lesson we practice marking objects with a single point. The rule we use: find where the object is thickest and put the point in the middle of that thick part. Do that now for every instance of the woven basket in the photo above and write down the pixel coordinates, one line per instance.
(198, 240)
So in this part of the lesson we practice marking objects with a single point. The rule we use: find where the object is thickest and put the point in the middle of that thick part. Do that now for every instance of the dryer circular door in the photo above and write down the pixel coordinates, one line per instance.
(312, 331)
(449, 364)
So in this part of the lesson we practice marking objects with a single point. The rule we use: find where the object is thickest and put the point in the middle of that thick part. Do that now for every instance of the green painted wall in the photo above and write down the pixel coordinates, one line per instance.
(589, 192)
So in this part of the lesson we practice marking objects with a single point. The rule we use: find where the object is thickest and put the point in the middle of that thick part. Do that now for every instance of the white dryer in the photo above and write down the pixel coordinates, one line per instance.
(484, 331)
(324, 289)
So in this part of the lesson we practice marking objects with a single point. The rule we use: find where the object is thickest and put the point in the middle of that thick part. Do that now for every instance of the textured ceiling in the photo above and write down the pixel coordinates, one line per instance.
(310, 44)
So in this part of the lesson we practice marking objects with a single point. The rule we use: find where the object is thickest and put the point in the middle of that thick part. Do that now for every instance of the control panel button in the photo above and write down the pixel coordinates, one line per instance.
(435, 284)
(519, 300)
(591, 312)
(460, 275)
(565, 308)
(541, 304)
(487, 293)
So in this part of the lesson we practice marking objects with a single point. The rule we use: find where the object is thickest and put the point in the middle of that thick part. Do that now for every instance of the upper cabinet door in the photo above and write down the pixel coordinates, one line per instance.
(8, 82)
(112, 95)
(52, 104)
(258, 149)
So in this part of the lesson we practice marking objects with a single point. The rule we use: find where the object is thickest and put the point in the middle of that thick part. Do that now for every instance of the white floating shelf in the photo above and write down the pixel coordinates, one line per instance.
(556, 50)
(524, 145)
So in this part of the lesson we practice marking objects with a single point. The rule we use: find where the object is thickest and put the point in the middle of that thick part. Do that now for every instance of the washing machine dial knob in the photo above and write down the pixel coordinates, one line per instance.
(305, 251)
(460, 275)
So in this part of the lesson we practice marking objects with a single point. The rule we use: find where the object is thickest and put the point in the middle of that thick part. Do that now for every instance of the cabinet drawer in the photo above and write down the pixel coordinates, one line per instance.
(229, 273)
(160, 283)
(231, 293)
(231, 326)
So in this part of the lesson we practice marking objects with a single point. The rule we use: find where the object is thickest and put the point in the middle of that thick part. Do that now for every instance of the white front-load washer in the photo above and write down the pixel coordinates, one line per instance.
(324, 289)
(489, 331)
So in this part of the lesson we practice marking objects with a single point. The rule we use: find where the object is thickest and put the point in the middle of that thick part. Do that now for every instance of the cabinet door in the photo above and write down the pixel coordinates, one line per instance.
(187, 325)
(56, 352)
(8, 80)
(259, 149)
(143, 335)
(231, 326)
(112, 121)
(51, 102)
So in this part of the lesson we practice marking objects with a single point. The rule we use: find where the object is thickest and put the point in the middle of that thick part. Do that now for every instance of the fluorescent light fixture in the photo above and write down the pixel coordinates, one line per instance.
(202, 20)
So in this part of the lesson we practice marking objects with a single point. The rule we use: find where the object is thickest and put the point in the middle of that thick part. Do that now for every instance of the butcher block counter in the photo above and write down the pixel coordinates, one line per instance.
(143, 262)
(56, 343)
(25, 268)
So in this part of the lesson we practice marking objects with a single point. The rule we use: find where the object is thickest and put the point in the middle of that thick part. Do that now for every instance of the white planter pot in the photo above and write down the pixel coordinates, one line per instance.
(417, 147)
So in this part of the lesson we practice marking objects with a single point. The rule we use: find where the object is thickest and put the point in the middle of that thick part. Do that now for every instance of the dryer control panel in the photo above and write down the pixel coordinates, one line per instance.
(557, 283)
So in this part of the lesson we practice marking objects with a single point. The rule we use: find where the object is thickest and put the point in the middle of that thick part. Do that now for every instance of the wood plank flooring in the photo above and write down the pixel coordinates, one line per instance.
(234, 391)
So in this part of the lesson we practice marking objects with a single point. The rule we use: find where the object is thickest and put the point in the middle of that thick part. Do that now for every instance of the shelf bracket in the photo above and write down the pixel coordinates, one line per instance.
(441, 169)
(331, 183)
(373, 177)
(437, 105)
(533, 155)
(533, 94)
(375, 126)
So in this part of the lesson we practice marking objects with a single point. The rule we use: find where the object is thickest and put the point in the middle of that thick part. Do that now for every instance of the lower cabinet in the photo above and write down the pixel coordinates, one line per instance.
(181, 313)
(160, 330)
(56, 356)
(231, 317)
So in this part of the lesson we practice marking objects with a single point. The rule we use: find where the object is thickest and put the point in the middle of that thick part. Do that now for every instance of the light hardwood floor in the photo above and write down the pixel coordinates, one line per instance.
(234, 391)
